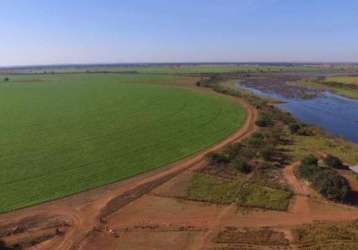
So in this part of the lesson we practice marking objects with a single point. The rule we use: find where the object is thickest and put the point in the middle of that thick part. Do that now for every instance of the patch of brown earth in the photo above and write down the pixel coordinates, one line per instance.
(244, 238)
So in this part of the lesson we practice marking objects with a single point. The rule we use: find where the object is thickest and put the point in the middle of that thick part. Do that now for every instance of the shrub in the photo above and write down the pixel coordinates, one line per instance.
(232, 150)
(257, 139)
(310, 160)
(267, 152)
(308, 171)
(264, 120)
(285, 117)
(242, 166)
(333, 162)
(217, 158)
(247, 153)
(294, 128)
(275, 136)
(326, 181)
(305, 131)
(6, 79)
(331, 185)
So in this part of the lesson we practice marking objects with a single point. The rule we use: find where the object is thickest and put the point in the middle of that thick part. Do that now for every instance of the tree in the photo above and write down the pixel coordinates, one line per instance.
(257, 139)
(264, 120)
(232, 150)
(308, 168)
(267, 152)
(333, 162)
(310, 160)
(294, 128)
(308, 171)
(247, 152)
(331, 185)
(242, 166)
(217, 158)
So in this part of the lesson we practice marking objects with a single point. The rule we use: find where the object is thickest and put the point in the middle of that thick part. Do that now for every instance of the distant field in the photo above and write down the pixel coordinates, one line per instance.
(344, 79)
(189, 68)
(62, 134)
(342, 85)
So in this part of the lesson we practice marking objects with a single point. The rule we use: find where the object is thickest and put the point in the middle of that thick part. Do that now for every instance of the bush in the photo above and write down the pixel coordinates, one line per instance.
(333, 162)
(310, 160)
(308, 171)
(232, 150)
(6, 79)
(217, 158)
(326, 181)
(264, 120)
(257, 139)
(294, 128)
(242, 166)
(247, 152)
(267, 152)
(305, 131)
(276, 136)
(332, 186)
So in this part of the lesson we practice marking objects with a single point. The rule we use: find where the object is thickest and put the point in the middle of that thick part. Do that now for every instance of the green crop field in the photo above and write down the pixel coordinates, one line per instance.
(62, 134)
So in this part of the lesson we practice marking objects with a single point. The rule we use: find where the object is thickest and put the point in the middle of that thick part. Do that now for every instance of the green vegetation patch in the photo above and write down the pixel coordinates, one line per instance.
(343, 79)
(254, 195)
(209, 188)
(325, 180)
(62, 134)
(321, 142)
(345, 86)
(212, 189)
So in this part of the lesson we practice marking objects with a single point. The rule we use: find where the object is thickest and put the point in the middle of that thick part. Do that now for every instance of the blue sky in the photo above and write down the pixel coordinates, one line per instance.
(110, 31)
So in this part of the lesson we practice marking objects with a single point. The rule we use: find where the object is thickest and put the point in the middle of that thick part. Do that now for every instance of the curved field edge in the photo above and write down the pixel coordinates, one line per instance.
(55, 142)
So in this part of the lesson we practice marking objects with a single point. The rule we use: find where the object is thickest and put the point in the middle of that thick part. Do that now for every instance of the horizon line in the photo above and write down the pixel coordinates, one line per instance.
(173, 63)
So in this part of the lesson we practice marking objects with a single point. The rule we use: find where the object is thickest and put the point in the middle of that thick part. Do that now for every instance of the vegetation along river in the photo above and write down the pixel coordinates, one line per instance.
(335, 114)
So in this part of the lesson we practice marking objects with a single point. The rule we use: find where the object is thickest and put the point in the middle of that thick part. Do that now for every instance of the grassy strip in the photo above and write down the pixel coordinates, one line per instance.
(347, 90)
(245, 193)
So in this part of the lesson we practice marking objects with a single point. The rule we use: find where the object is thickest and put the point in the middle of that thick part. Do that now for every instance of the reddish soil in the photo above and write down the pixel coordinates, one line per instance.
(80, 218)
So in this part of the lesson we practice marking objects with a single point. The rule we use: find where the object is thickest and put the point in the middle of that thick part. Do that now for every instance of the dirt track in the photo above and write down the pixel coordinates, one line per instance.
(75, 217)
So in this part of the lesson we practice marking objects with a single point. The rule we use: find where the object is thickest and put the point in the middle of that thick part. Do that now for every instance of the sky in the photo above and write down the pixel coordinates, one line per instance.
(38, 32)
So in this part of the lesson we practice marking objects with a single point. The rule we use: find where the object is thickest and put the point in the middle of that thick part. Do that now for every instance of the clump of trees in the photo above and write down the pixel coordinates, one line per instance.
(217, 158)
(331, 185)
(326, 181)
(300, 129)
(264, 120)
(333, 162)
(236, 156)
(242, 166)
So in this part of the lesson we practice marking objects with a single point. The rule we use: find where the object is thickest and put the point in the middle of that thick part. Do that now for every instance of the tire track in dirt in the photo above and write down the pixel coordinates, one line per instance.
(88, 210)
(299, 205)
